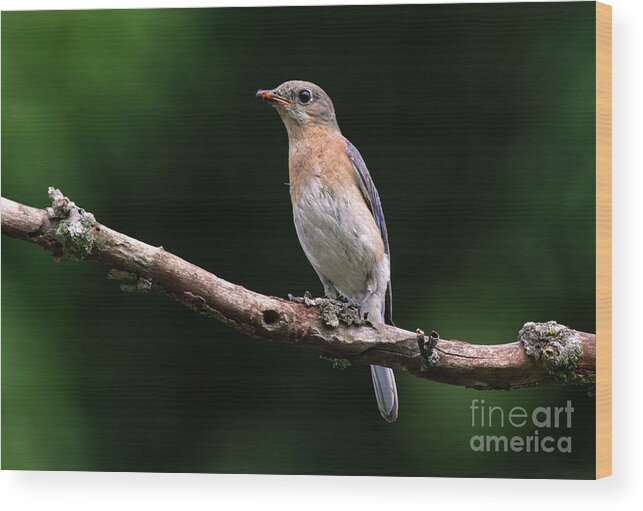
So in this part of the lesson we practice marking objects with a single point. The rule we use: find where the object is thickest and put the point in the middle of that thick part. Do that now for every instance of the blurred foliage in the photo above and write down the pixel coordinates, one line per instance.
(477, 123)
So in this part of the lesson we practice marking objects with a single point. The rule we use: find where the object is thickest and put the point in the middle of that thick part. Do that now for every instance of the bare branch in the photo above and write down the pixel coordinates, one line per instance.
(543, 352)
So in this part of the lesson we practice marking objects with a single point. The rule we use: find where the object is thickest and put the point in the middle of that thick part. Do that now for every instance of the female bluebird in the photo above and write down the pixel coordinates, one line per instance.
(337, 213)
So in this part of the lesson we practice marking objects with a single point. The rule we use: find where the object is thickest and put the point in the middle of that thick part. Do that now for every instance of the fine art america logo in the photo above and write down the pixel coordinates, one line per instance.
(544, 429)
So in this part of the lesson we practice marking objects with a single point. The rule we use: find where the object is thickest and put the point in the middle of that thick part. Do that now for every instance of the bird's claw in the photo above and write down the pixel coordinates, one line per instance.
(347, 304)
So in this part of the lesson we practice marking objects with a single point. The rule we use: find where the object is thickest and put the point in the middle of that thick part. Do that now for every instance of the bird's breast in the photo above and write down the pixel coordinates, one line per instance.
(334, 225)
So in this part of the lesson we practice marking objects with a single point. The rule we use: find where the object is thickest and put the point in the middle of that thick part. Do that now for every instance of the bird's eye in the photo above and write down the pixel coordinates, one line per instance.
(305, 96)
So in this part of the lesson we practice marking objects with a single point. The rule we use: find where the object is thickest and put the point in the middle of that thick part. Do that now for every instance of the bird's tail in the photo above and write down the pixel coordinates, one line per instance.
(385, 392)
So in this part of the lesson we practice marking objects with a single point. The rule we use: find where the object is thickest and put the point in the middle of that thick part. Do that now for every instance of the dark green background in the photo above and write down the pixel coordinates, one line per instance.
(477, 123)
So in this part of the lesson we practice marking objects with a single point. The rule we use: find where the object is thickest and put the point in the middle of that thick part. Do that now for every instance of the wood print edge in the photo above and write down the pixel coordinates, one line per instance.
(603, 240)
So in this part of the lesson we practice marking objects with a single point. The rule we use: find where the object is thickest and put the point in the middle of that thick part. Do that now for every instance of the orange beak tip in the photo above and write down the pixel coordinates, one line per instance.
(271, 97)
(264, 94)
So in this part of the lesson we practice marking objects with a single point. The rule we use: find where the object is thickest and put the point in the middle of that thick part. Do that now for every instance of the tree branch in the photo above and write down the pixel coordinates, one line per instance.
(543, 353)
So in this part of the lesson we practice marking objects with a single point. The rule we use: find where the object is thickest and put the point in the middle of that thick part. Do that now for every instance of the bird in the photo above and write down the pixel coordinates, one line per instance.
(337, 214)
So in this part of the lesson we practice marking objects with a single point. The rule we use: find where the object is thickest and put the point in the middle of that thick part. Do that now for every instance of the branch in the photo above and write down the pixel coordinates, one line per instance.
(543, 353)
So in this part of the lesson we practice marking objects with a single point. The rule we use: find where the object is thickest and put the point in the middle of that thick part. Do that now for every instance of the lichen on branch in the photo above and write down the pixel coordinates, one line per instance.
(557, 346)
(75, 226)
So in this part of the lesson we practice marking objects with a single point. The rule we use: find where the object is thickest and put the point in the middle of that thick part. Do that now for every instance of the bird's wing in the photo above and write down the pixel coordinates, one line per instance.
(373, 200)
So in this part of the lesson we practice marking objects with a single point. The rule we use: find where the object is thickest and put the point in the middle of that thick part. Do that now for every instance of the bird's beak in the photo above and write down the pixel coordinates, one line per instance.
(272, 97)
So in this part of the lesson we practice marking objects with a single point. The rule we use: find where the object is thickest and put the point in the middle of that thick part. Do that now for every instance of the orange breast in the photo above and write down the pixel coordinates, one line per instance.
(321, 155)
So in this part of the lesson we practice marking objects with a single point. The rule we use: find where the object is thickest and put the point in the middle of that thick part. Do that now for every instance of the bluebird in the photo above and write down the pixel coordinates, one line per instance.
(337, 213)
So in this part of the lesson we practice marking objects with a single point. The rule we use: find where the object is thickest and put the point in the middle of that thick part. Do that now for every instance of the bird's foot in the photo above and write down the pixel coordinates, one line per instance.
(349, 306)
(333, 311)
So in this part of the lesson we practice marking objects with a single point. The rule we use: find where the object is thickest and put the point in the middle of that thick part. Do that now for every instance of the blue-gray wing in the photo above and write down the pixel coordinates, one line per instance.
(373, 200)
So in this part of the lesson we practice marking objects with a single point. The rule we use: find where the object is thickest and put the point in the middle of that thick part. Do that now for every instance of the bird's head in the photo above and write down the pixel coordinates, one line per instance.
(301, 104)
